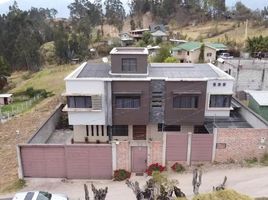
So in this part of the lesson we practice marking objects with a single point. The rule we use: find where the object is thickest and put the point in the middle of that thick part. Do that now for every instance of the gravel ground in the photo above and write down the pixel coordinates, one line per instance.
(251, 181)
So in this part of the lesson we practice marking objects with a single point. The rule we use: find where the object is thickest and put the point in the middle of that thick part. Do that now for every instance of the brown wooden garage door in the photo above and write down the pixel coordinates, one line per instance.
(176, 147)
(43, 162)
(70, 161)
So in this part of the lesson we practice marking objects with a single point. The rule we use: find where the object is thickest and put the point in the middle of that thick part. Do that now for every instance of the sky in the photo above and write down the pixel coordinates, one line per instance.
(63, 11)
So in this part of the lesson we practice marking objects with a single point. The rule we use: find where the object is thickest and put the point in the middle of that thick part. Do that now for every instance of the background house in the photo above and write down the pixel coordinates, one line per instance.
(5, 99)
(158, 31)
(258, 102)
(187, 52)
(213, 50)
(126, 39)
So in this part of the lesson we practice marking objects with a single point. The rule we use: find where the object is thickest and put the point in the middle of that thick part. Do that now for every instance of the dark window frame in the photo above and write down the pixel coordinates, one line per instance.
(127, 101)
(181, 102)
(215, 101)
(168, 128)
(79, 101)
(120, 130)
(129, 65)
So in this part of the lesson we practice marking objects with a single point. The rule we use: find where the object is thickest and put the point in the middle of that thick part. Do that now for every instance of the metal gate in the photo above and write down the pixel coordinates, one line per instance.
(202, 147)
(70, 161)
(139, 159)
(176, 147)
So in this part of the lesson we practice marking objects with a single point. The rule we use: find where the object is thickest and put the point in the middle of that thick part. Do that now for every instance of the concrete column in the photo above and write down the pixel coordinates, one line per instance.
(20, 170)
(164, 148)
(215, 138)
(189, 148)
(114, 156)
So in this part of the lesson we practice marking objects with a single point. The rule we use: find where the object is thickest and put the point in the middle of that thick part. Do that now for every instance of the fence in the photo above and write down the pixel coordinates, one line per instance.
(17, 108)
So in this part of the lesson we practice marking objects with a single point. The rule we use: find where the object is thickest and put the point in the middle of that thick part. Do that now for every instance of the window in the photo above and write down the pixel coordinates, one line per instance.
(219, 84)
(224, 84)
(120, 130)
(200, 129)
(164, 127)
(185, 101)
(214, 84)
(129, 64)
(43, 196)
(188, 53)
(220, 101)
(127, 101)
(79, 102)
(209, 54)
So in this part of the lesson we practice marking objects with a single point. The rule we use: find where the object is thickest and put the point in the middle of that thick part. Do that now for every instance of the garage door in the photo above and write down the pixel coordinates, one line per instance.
(176, 147)
(43, 162)
(89, 162)
(202, 145)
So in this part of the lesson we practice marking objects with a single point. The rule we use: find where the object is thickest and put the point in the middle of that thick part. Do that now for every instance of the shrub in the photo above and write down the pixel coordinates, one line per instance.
(121, 174)
(223, 194)
(154, 167)
(170, 60)
(264, 159)
(177, 167)
(31, 92)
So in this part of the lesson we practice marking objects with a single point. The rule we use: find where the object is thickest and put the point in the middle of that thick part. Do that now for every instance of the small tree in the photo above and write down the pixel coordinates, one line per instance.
(147, 37)
(202, 53)
(162, 55)
(170, 60)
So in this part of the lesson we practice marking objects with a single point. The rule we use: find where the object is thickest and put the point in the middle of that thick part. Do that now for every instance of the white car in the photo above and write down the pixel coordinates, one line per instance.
(39, 195)
(226, 56)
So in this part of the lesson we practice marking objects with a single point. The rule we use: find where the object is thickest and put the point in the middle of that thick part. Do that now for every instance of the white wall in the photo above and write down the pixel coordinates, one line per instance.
(92, 88)
(227, 89)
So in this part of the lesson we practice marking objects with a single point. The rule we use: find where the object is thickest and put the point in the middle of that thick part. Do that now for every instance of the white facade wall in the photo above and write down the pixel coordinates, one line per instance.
(91, 88)
(221, 90)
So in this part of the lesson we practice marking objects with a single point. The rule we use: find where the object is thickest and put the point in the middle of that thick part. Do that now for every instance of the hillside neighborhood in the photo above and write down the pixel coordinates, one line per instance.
(109, 104)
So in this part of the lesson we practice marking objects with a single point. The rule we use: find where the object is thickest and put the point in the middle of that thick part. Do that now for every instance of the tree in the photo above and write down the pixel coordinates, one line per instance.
(163, 54)
(115, 13)
(147, 37)
(4, 71)
(202, 53)
(132, 24)
(242, 12)
(61, 44)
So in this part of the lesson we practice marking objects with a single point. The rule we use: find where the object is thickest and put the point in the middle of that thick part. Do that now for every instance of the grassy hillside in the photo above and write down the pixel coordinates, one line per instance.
(218, 31)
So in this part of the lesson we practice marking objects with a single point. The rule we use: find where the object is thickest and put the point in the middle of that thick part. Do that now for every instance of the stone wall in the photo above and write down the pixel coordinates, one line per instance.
(240, 144)
(123, 155)
(156, 152)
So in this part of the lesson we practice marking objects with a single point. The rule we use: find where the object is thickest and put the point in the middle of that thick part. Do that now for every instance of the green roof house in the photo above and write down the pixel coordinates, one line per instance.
(189, 52)
(258, 102)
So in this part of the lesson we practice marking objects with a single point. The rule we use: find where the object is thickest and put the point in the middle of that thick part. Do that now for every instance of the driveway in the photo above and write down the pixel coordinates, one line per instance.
(250, 181)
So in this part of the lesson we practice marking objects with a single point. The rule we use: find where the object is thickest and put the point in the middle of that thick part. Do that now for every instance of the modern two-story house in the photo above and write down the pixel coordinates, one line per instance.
(131, 99)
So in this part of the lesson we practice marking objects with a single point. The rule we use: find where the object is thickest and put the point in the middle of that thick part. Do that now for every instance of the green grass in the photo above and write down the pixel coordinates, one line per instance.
(51, 79)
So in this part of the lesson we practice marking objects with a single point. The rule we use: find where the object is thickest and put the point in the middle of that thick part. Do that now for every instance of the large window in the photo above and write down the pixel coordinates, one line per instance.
(120, 130)
(79, 102)
(127, 101)
(167, 128)
(129, 65)
(220, 101)
(185, 101)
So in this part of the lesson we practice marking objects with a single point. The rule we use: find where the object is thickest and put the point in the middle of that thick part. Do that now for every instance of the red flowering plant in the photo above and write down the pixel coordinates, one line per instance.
(121, 174)
(154, 167)
(177, 167)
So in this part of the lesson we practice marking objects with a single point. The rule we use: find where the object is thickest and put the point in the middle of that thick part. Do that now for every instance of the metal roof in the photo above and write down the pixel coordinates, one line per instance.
(188, 46)
(5, 95)
(159, 33)
(217, 46)
(261, 97)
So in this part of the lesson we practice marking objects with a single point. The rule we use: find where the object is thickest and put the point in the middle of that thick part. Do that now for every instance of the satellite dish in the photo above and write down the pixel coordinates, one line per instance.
(105, 60)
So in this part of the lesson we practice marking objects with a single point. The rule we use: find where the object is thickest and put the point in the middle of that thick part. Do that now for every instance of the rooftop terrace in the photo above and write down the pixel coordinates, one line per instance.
(158, 70)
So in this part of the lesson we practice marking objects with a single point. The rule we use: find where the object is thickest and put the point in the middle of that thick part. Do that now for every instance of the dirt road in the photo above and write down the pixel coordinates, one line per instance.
(250, 181)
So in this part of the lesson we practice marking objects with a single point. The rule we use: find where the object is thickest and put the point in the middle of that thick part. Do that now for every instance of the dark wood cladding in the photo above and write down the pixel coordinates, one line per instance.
(135, 116)
(116, 62)
(185, 115)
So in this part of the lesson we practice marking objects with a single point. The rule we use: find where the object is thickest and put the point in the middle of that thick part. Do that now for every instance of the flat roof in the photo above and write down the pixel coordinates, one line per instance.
(261, 97)
(5, 95)
(182, 71)
(129, 50)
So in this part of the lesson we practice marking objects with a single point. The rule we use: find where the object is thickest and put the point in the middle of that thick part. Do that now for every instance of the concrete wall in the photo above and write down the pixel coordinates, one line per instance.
(250, 116)
(47, 128)
(193, 56)
(218, 89)
(80, 133)
(89, 88)
(240, 144)
(261, 110)
(209, 50)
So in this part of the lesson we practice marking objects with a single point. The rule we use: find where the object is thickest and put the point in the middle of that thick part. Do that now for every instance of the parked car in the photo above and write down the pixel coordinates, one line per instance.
(225, 56)
(39, 195)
